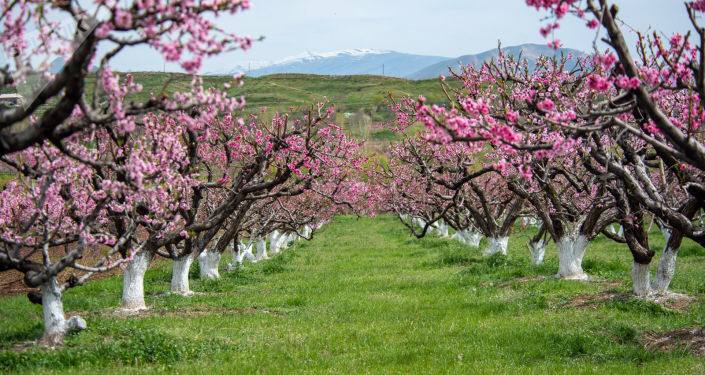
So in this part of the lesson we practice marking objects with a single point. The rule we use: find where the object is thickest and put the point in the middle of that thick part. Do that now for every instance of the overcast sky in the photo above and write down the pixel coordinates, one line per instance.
(440, 27)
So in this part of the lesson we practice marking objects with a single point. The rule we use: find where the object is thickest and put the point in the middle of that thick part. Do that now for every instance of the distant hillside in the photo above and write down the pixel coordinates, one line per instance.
(349, 62)
(360, 101)
(281, 91)
(531, 52)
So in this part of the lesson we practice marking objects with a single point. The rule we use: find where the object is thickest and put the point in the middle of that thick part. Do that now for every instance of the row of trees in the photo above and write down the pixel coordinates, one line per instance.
(578, 144)
(103, 180)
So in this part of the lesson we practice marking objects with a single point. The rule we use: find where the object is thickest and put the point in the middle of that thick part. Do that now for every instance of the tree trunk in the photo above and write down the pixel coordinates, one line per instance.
(208, 263)
(133, 282)
(496, 245)
(472, 238)
(233, 263)
(458, 236)
(468, 237)
(667, 264)
(275, 239)
(56, 326)
(441, 228)
(571, 250)
(538, 251)
(306, 232)
(261, 250)
(179, 276)
(641, 284)
(246, 253)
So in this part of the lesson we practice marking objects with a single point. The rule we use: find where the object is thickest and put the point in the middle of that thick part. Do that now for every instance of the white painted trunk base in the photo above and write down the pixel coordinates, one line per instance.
(665, 271)
(467, 237)
(641, 284)
(306, 231)
(208, 263)
(261, 250)
(419, 222)
(133, 282)
(538, 251)
(275, 242)
(441, 228)
(232, 263)
(571, 250)
(245, 253)
(56, 326)
(472, 238)
(612, 229)
(496, 245)
(179, 276)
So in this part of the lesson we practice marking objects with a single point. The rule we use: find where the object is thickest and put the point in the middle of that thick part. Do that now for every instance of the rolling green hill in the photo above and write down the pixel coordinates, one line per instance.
(347, 93)
(360, 101)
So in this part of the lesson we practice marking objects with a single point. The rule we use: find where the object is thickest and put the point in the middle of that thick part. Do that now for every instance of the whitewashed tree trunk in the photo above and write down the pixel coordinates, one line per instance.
(261, 250)
(246, 253)
(612, 229)
(233, 263)
(496, 245)
(179, 276)
(538, 251)
(441, 228)
(472, 238)
(666, 270)
(284, 241)
(133, 282)
(306, 232)
(468, 237)
(56, 326)
(571, 250)
(275, 242)
(208, 263)
(419, 222)
(641, 284)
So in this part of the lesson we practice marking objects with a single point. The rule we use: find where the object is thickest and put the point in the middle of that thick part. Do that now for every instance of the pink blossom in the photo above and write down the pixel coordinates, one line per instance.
(546, 105)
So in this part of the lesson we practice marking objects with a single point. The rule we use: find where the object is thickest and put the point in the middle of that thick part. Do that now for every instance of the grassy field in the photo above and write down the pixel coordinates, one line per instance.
(360, 100)
(281, 91)
(365, 297)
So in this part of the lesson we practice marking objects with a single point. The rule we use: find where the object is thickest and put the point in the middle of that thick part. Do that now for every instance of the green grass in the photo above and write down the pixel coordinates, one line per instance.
(281, 91)
(365, 297)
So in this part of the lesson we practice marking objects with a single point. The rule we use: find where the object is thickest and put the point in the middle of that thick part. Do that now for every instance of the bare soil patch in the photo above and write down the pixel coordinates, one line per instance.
(691, 339)
(671, 301)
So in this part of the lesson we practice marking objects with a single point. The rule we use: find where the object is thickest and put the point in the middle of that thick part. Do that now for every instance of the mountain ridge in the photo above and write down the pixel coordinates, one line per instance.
(530, 51)
(362, 61)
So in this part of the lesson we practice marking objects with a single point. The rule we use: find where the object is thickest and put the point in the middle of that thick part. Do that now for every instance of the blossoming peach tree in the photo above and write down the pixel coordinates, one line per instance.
(591, 141)
(96, 168)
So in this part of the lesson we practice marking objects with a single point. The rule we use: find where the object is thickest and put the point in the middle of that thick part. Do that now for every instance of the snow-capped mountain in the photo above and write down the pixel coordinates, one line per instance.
(388, 63)
(347, 62)
(530, 52)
